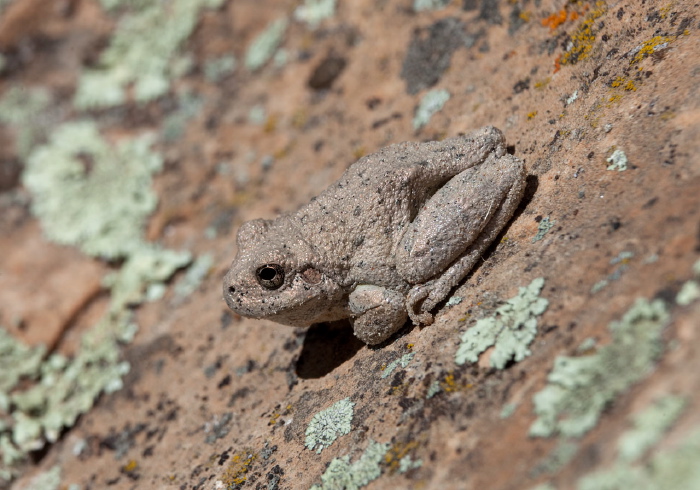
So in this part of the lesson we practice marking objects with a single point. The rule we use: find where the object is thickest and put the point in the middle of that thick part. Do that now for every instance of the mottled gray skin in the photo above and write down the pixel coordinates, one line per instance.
(388, 241)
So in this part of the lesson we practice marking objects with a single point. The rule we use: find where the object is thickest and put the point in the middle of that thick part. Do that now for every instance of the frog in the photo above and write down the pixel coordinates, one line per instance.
(386, 243)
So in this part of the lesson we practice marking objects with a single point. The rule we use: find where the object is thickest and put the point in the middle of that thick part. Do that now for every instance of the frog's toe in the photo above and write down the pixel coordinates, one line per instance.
(419, 304)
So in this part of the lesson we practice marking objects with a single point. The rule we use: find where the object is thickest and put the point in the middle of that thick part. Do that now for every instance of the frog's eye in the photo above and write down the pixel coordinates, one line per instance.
(270, 276)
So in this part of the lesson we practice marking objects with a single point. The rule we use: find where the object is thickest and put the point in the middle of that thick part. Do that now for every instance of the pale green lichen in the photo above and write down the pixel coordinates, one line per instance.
(219, 68)
(145, 267)
(559, 457)
(194, 276)
(579, 388)
(510, 330)
(22, 109)
(649, 426)
(420, 5)
(143, 52)
(265, 44)
(431, 103)
(329, 424)
(17, 361)
(544, 486)
(434, 388)
(47, 480)
(621, 261)
(676, 469)
(64, 389)
(341, 474)
(402, 361)
(617, 161)
(543, 228)
(508, 410)
(690, 291)
(407, 463)
(313, 12)
(92, 194)
(189, 105)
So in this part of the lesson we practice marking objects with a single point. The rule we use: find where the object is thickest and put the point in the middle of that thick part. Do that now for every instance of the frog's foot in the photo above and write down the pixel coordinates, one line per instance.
(377, 313)
(422, 298)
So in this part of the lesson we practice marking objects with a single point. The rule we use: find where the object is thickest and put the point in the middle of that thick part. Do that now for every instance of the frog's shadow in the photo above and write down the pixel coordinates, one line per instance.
(328, 345)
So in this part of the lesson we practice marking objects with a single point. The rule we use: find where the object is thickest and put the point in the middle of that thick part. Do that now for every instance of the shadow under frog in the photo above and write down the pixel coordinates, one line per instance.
(385, 243)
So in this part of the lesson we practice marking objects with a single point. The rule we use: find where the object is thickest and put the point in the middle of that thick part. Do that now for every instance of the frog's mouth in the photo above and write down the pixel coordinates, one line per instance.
(307, 298)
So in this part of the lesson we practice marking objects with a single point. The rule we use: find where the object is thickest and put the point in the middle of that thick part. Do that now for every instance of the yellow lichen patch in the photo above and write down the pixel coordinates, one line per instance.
(237, 469)
(277, 413)
(396, 453)
(542, 84)
(359, 152)
(583, 37)
(656, 43)
(270, 124)
(531, 115)
(130, 466)
(625, 83)
(300, 118)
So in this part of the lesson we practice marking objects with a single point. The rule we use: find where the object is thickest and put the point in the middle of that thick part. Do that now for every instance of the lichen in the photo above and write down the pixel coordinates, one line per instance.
(510, 330)
(649, 426)
(91, 194)
(341, 474)
(46, 480)
(543, 228)
(690, 291)
(142, 54)
(329, 424)
(621, 261)
(431, 103)
(559, 457)
(194, 276)
(582, 39)
(675, 468)
(22, 110)
(617, 161)
(145, 269)
(313, 12)
(265, 44)
(236, 472)
(579, 388)
(219, 68)
(402, 361)
(397, 458)
(421, 5)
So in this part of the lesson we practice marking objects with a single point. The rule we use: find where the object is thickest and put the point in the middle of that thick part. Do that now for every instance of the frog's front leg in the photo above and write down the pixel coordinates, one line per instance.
(454, 228)
(377, 313)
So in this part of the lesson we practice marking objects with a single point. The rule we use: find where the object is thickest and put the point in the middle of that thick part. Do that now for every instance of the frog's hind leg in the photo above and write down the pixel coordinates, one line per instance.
(453, 230)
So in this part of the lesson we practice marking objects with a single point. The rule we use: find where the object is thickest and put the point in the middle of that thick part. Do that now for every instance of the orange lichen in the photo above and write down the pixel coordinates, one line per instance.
(583, 38)
(555, 20)
(558, 18)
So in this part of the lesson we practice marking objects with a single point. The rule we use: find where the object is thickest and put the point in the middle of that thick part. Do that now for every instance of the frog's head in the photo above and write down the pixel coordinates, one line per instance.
(273, 277)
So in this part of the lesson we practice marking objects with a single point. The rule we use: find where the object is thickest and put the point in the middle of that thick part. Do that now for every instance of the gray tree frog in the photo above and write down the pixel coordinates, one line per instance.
(388, 241)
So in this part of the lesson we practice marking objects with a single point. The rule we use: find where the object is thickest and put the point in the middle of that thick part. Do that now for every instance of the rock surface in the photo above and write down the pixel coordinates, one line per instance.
(216, 401)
